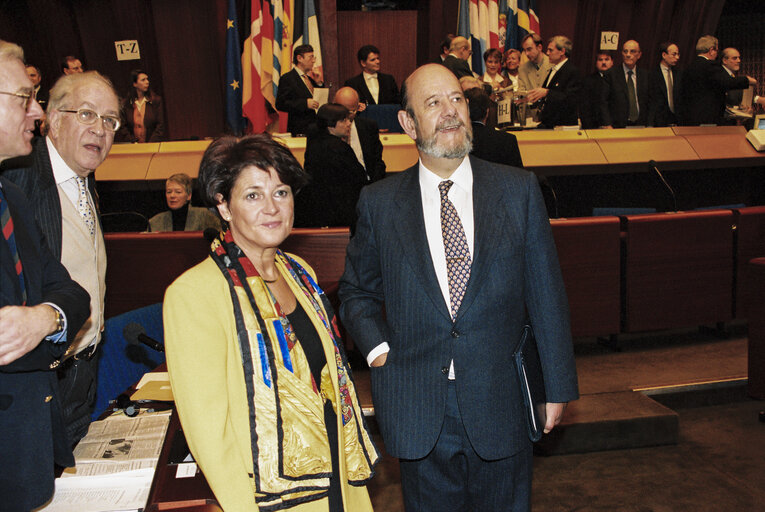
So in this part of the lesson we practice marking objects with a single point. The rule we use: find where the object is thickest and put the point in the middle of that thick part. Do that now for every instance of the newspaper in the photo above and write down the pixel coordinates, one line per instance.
(115, 465)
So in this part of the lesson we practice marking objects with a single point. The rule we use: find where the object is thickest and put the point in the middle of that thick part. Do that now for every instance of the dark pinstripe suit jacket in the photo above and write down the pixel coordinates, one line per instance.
(33, 433)
(515, 267)
(34, 175)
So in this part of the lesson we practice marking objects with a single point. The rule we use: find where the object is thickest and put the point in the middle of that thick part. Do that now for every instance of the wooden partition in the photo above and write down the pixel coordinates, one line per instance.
(588, 250)
(756, 307)
(678, 269)
(750, 234)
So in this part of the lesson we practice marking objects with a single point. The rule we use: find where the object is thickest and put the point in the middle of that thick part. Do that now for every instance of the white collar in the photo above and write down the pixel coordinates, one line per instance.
(61, 171)
(367, 76)
(462, 177)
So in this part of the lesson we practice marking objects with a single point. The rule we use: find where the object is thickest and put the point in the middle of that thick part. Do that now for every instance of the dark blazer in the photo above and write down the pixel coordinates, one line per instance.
(659, 113)
(371, 147)
(389, 292)
(336, 181)
(589, 103)
(457, 66)
(292, 98)
(34, 176)
(388, 89)
(614, 105)
(703, 90)
(153, 121)
(561, 105)
(495, 146)
(33, 433)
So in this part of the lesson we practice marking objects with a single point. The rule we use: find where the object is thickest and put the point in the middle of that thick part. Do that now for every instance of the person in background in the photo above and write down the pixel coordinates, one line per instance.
(259, 375)
(373, 86)
(489, 144)
(512, 66)
(182, 216)
(492, 58)
(664, 87)
(592, 85)
(71, 65)
(143, 114)
(336, 174)
(365, 135)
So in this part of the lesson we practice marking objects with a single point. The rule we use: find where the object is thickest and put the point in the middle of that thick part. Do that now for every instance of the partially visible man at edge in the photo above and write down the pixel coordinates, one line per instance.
(41, 310)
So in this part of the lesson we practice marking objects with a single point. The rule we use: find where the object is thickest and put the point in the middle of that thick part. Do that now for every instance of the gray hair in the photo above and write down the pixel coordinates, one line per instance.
(9, 51)
(65, 86)
(562, 43)
(706, 43)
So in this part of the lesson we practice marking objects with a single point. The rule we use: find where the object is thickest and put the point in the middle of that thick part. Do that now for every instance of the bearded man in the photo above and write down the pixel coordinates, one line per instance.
(455, 251)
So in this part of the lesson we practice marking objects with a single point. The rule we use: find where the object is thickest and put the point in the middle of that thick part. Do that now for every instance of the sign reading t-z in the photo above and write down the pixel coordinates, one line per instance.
(127, 50)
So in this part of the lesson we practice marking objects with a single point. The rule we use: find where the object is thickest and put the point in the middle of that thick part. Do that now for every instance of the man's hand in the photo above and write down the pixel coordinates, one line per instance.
(22, 328)
(752, 81)
(312, 103)
(317, 75)
(536, 94)
(379, 360)
(554, 415)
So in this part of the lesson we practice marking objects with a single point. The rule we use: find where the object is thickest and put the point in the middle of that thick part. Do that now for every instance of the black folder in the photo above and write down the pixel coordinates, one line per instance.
(531, 382)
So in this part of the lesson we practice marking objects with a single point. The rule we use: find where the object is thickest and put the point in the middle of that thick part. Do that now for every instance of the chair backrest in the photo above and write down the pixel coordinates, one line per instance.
(121, 364)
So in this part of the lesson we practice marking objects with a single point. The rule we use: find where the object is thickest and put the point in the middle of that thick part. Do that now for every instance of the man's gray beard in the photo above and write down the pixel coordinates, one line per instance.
(431, 148)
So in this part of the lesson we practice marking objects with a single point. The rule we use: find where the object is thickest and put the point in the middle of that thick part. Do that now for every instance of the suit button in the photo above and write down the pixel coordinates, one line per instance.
(48, 398)
(445, 370)
(455, 333)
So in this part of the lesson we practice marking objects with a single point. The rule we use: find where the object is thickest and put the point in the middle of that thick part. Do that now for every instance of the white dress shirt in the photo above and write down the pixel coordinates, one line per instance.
(373, 85)
(65, 177)
(461, 196)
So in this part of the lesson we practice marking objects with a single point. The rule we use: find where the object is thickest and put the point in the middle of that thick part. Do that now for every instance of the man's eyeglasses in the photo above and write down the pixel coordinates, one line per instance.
(87, 116)
(26, 95)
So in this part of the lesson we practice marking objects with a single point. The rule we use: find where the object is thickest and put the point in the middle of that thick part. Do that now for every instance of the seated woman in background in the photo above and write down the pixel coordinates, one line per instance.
(182, 216)
(336, 174)
(144, 118)
(259, 375)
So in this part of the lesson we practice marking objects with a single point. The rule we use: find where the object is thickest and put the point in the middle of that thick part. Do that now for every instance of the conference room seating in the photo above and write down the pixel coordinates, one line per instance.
(589, 254)
(750, 235)
(756, 308)
(121, 364)
(678, 269)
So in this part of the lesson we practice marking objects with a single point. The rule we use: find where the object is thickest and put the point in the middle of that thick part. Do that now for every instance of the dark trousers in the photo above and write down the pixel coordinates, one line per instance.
(453, 478)
(77, 391)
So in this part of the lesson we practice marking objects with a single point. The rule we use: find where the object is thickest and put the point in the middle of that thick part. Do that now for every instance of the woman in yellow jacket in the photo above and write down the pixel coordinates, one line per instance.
(260, 379)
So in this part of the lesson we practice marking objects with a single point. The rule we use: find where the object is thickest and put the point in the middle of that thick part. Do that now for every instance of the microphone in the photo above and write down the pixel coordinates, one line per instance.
(135, 334)
(655, 169)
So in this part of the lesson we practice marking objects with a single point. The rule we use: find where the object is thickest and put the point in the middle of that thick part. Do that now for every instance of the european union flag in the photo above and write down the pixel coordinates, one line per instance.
(234, 118)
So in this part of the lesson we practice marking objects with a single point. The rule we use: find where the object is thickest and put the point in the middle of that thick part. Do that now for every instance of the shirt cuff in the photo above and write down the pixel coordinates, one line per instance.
(382, 348)
(58, 337)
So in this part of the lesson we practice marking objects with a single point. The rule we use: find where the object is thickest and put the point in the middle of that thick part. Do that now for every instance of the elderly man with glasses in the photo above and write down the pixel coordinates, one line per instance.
(83, 115)
(41, 310)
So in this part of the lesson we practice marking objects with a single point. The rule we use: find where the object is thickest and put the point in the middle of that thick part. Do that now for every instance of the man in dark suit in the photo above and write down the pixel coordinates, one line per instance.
(624, 99)
(592, 86)
(490, 144)
(457, 60)
(705, 82)
(364, 138)
(58, 180)
(664, 87)
(560, 91)
(41, 309)
(295, 95)
(447, 258)
(374, 87)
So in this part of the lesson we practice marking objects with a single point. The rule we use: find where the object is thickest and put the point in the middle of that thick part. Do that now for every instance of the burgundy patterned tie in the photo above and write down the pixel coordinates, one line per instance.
(6, 224)
(456, 248)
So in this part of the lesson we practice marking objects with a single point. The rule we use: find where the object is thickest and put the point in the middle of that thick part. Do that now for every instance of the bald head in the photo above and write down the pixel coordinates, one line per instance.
(460, 47)
(349, 98)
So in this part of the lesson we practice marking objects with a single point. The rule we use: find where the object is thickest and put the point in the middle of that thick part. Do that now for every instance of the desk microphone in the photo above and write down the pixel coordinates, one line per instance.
(655, 169)
(135, 334)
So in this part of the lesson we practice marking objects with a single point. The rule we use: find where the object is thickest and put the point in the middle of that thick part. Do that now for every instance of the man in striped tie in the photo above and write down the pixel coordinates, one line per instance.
(447, 258)
(41, 310)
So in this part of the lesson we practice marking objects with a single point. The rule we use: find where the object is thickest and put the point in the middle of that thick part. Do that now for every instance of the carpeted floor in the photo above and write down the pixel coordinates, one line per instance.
(718, 464)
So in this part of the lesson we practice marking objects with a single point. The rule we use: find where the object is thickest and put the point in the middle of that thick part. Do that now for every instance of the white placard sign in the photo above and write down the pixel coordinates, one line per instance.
(127, 50)
(609, 40)
(504, 108)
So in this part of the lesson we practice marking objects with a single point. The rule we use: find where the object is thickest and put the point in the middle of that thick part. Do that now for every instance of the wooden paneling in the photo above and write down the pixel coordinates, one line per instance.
(750, 232)
(588, 251)
(393, 32)
(678, 270)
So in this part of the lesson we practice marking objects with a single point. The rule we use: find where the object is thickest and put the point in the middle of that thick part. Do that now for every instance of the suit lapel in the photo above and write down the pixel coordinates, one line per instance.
(487, 202)
(48, 205)
(409, 225)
